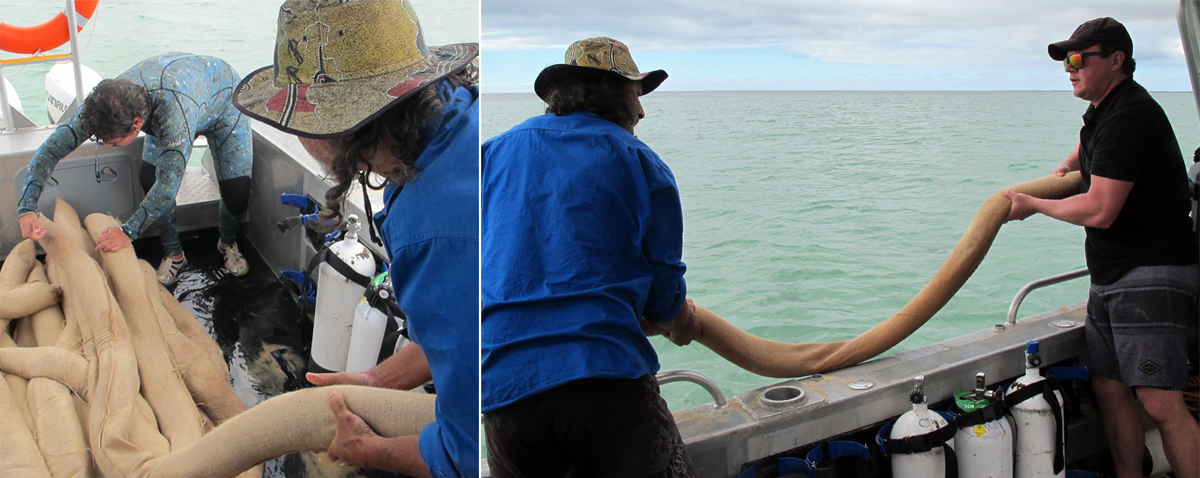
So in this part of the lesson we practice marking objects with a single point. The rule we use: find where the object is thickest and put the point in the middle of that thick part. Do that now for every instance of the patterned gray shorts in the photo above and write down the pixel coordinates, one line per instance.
(1138, 327)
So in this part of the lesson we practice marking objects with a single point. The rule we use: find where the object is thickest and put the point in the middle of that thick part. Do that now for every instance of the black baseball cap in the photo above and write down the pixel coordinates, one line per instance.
(1101, 30)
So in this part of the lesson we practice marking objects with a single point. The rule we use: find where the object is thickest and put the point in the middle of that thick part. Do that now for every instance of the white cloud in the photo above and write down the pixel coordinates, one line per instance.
(892, 32)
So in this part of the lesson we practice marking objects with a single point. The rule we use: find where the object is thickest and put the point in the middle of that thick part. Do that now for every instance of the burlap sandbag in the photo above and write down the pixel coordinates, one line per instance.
(69, 337)
(19, 298)
(295, 421)
(121, 427)
(162, 384)
(16, 384)
(59, 433)
(60, 365)
(122, 430)
(197, 355)
(19, 457)
(72, 228)
(23, 333)
(47, 323)
(783, 360)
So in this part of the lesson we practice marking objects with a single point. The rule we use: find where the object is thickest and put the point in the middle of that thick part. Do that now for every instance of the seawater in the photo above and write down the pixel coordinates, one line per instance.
(810, 216)
(241, 32)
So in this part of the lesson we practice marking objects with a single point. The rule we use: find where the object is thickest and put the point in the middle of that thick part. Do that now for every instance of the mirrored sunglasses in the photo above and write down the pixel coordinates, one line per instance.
(1075, 60)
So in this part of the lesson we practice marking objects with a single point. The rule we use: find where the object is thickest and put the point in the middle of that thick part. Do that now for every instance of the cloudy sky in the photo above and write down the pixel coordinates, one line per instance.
(827, 45)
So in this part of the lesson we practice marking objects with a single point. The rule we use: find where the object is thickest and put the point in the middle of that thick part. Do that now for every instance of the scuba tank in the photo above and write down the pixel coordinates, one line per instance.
(921, 441)
(339, 286)
(375, 310)
(984, 441)
(1036, 406)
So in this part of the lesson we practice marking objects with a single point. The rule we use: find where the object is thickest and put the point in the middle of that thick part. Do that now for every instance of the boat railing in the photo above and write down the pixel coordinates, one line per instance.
(11, 123)
(1188, 14)
(696, 378)
(1037, 284)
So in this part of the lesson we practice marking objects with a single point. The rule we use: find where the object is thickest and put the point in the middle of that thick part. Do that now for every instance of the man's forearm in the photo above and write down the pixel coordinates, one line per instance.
(404, 370)
(1078, 210)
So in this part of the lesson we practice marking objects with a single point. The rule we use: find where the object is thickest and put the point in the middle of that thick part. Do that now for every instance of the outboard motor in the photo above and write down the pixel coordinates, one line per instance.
(1036, 406)
(60, 89)
(375, 311)
(345, 269)
(984, 441)
(921, 442)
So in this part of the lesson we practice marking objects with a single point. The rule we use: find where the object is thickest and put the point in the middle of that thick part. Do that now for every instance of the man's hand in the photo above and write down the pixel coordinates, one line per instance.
(29, 226)
(341, 378)
(112, 239)
(1069, 164)
(1022, 206)
(352, 440)
(684, 328)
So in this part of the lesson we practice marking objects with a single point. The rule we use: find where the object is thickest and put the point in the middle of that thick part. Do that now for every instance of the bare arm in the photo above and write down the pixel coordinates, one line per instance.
(1098, 208)
(404, 370)
(356, 444)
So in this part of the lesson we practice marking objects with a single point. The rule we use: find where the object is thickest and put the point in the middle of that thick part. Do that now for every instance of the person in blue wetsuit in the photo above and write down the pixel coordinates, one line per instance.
(582, 244)
(173, 98)
(410, 113)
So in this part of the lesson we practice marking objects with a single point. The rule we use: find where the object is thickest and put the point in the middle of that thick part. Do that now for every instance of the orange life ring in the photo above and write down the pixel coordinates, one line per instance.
(48, 35)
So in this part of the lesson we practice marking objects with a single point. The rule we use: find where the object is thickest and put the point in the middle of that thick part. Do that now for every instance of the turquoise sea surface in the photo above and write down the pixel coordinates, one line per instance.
(810, 216)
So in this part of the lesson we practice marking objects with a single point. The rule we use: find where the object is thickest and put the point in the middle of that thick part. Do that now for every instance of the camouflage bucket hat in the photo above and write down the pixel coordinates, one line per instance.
(340, 64)
(594, 57)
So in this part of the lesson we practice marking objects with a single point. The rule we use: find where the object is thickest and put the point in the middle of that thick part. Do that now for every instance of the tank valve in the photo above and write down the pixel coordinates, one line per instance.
(918, 392)
(981, 392)
(352, 227)
(1032, 358)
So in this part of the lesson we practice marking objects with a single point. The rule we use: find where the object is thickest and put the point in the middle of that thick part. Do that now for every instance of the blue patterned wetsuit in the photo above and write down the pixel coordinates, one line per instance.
(189, 97)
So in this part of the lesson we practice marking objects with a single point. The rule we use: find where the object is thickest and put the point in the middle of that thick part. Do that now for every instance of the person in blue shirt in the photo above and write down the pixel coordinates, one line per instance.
(173, 98)
(582, 247)
(359, 87)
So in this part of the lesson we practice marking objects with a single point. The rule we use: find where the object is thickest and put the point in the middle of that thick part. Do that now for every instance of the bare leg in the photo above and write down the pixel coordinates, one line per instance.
(1122, 425)
(1180, 433)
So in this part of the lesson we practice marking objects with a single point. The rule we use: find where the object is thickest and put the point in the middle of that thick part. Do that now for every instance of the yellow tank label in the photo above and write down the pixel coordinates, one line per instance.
(979, 431)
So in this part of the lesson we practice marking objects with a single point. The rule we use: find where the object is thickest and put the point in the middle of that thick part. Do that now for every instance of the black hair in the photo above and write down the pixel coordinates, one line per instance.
(1127, 66)
(109, 110)
(401, 129)
(600, 94)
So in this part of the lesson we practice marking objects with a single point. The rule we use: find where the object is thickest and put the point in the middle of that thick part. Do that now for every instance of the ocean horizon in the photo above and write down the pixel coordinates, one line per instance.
(810, 216)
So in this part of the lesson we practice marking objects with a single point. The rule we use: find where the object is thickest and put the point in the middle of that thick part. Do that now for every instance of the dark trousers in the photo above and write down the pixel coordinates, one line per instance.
(588, 428)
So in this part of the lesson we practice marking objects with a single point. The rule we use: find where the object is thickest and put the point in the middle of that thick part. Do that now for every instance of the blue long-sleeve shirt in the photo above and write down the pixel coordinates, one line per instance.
(189, 95)
(582, 235)
(431, 230)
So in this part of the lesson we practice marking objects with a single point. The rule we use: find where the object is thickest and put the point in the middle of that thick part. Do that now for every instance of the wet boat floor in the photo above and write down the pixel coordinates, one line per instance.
(261, 329)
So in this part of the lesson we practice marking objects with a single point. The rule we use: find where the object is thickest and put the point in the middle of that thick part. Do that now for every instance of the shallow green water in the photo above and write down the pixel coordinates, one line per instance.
(812, 216)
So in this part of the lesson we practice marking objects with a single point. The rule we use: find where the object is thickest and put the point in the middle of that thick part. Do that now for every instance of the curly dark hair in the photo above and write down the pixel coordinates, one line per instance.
(109, 110)
(600, 94)
(402, 129)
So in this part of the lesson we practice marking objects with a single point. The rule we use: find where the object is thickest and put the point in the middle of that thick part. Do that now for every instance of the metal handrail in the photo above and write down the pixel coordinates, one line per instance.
(1038, 284)
(1188, 14)
(10, 124)
(696, 378)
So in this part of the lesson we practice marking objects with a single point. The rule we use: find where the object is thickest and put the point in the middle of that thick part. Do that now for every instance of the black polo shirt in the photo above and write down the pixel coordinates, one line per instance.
(1129, 138)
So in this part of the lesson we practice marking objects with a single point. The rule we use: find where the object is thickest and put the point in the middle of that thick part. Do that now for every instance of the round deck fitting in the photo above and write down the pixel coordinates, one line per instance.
(1063, 324)
(860, 384)
(782, 395)
(816, 377)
